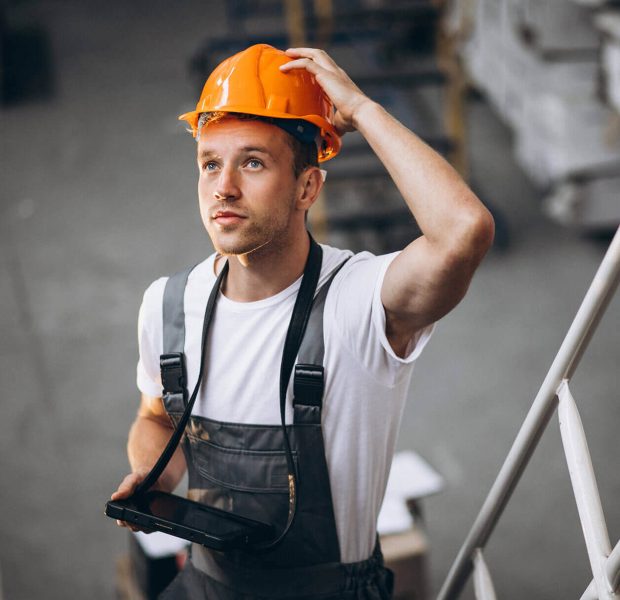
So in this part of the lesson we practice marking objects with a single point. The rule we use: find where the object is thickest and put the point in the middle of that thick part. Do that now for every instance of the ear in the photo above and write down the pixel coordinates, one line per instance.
(309, 185)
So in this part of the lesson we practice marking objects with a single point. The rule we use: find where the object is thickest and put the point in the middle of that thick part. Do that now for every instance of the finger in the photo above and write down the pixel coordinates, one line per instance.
(126, 488)
(133, 527)
(310, 52)
(319, 56)
(303, 63)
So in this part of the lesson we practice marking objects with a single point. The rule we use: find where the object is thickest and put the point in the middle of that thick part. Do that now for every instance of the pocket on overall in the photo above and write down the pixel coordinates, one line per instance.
(251, 483)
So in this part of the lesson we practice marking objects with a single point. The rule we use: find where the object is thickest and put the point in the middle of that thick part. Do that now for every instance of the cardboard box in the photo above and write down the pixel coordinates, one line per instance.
(403, 540)
(406, 554)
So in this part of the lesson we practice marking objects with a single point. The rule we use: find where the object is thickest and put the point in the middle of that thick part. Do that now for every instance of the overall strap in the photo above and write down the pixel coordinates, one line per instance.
(309, 378)
(172, 361)
(173, 312)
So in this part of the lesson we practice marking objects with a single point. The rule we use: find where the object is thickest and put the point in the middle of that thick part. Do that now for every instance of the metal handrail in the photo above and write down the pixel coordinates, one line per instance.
(581, 330)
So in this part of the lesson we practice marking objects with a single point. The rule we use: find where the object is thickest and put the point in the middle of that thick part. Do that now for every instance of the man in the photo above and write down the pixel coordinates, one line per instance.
(258, 145)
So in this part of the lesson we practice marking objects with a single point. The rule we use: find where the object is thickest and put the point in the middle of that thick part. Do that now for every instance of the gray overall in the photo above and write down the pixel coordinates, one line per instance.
(242, 468)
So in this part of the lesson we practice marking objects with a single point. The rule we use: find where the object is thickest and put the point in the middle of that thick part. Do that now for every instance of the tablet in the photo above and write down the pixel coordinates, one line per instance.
(195, 522)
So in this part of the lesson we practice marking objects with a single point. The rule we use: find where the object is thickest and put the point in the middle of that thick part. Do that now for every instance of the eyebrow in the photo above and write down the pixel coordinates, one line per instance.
(206, 152)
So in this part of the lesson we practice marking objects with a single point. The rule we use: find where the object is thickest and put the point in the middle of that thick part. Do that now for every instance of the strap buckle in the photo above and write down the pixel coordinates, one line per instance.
(309, 384)
(173, 374)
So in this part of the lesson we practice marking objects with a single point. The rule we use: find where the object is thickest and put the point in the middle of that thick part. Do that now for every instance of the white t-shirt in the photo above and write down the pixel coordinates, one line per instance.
(366, 383)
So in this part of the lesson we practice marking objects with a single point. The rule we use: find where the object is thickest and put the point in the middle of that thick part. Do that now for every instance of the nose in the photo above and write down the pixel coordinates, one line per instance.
(226, 187)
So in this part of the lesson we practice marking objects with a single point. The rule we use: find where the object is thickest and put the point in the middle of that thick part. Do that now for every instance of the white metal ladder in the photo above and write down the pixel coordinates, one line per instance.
(604, 561)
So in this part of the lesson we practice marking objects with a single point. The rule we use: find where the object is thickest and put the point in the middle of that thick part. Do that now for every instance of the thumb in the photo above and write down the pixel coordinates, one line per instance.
(127, 486)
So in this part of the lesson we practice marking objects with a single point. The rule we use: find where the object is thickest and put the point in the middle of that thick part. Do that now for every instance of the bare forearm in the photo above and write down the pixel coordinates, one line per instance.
(441, 202)
(147, 439)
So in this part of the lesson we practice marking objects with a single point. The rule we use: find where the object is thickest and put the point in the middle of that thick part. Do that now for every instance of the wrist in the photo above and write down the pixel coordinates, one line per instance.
(365, 112)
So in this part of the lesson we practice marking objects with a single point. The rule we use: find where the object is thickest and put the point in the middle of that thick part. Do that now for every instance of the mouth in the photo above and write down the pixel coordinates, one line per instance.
(226, 217)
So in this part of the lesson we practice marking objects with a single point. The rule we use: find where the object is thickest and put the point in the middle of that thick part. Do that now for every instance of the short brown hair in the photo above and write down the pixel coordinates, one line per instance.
(304, 155)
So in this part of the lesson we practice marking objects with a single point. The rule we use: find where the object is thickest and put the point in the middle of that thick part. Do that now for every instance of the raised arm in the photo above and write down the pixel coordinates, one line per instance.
(433, 272)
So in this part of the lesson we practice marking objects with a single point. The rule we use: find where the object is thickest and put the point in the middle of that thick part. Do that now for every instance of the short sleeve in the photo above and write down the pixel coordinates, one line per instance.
(150, 340)
(417, 342)
(358, 317)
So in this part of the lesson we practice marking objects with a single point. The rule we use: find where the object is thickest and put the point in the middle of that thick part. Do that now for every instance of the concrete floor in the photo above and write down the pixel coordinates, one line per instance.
(96, 180)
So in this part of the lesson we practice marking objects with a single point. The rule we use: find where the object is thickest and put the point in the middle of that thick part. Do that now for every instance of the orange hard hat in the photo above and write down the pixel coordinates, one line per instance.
(251, 82)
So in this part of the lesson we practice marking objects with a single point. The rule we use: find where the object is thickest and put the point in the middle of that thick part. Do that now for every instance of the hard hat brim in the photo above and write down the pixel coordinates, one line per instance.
(331, 139)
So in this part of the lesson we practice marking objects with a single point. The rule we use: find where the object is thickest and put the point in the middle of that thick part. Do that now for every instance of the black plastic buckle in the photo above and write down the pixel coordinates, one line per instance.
(309, 384)
(173, 375)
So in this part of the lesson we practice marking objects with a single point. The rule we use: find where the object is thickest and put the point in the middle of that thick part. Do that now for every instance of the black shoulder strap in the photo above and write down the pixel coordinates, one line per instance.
(309, 378)
(294, 335)
(300, 318)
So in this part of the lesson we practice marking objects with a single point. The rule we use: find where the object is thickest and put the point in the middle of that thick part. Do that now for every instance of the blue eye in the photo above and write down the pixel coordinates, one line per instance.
(208, 165)
(254, 163)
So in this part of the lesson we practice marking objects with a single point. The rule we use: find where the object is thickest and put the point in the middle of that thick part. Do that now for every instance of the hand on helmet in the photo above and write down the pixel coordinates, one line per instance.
(345, 95)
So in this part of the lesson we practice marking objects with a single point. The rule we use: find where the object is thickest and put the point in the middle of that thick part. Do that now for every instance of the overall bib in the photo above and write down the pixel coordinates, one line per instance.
(243, 469)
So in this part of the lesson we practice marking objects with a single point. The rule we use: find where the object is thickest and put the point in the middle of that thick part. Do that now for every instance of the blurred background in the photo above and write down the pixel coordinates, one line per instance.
(98, 198)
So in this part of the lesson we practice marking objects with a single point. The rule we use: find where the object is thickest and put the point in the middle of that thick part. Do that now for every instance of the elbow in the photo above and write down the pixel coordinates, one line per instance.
(477, 234)
(470, 240)
(484, 232)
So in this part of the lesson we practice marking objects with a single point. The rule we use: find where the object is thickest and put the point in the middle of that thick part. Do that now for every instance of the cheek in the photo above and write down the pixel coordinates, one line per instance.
(205, 191)
(202, 189)
(202, 203)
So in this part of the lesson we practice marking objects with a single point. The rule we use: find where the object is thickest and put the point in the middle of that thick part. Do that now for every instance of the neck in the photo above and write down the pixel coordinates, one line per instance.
(266, 271)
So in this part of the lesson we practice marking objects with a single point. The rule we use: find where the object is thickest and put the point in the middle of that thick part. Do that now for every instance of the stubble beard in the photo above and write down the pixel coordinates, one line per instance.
(271, 233)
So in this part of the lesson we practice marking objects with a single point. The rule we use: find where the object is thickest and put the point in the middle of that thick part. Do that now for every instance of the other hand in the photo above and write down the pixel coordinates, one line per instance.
(126, 489)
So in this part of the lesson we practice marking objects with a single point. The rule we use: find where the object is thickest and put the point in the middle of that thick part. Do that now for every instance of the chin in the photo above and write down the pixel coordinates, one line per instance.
(238, 247)
(244, 242)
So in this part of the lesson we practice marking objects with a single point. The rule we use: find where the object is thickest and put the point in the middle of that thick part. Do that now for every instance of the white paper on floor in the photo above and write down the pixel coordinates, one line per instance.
(411, 478)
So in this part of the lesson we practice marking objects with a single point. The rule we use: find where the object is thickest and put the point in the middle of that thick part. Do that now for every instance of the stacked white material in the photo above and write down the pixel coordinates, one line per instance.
(588, 204)
(537, 62)
(564, 134)
(486, 54)
(554, 25)
(609, 24)
(510, 70)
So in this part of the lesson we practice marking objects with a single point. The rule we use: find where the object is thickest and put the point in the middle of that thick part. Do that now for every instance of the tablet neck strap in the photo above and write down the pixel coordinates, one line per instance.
(174, 376)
